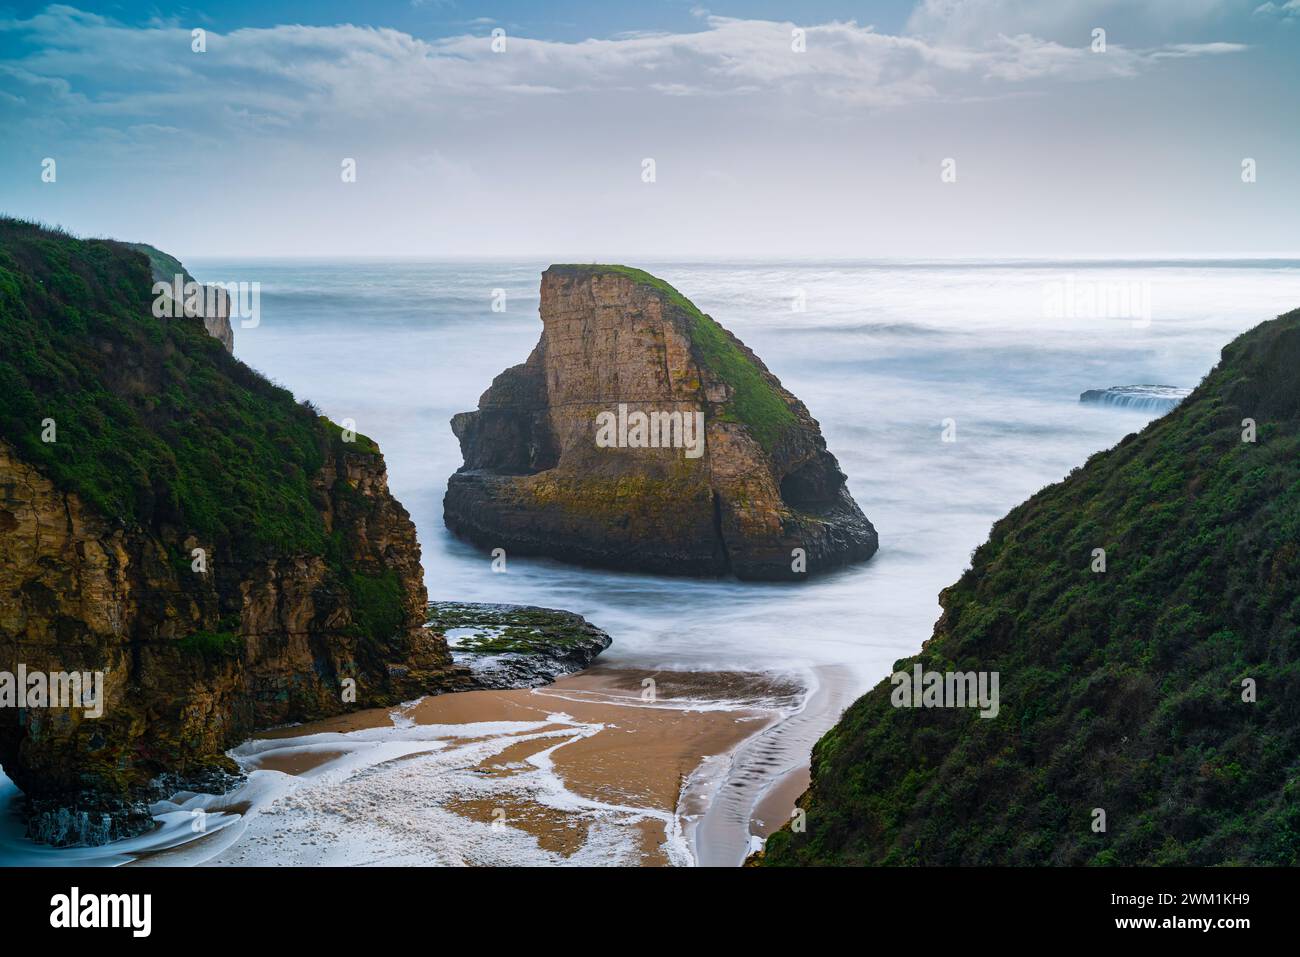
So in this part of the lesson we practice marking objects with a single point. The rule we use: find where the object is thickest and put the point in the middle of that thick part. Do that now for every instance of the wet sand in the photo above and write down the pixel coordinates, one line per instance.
(636, 753)
(777, 804)
(768, 772)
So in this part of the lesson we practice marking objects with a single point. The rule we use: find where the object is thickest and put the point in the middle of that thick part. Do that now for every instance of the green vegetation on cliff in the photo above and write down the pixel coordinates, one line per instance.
(153, 423)
(377, 608)
(312, 569)
(163, 266)
(755, 403)
(212, 645)
(1120, 690)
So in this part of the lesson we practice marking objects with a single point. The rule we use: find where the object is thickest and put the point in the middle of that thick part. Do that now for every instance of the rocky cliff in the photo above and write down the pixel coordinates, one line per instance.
(212, 304)
(640, 434)
(223, 556)
(1143, 617)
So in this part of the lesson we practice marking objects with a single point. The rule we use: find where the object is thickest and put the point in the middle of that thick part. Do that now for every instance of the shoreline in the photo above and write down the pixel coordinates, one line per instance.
(769, 771)
(580, 771)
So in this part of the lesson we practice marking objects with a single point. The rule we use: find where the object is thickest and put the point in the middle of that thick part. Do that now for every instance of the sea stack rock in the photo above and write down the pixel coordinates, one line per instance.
(642, 435)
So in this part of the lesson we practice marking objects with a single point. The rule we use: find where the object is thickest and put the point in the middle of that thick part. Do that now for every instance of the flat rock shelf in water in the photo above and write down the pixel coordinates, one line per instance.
(516, 646)
(1140, 398)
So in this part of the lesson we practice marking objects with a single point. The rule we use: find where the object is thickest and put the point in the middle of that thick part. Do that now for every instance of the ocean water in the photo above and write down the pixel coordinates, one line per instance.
(888, 356)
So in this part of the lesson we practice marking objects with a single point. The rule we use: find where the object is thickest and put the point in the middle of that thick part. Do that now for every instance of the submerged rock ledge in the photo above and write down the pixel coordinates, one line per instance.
(1141, 398)
(587, 451)
(516, 646)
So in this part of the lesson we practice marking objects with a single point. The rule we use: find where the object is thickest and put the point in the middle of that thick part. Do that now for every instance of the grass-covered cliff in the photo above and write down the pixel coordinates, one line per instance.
(153, 424)
(126, 443)
(214, 304)
(1120, 690)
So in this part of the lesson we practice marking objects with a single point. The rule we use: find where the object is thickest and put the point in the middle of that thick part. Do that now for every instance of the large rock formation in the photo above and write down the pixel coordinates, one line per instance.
(226, 558)
(1158, 683)
(558, 463)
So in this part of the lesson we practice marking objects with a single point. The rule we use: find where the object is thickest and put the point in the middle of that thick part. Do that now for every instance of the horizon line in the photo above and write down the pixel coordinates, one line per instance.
(554, 258)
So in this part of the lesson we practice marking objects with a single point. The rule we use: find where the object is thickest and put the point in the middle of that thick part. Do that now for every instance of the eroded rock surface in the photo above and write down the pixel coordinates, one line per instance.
(760, 497)
(225, 558)
(516, 646)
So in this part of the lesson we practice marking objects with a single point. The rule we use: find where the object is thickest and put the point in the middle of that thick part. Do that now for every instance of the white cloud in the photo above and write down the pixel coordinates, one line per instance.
(832, 151)
(976, 22)
(319, 74)
(1289, 10)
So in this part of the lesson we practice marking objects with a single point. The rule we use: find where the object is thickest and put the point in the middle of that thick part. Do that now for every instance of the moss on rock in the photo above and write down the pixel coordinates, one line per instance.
(516, 645)
(754, 403)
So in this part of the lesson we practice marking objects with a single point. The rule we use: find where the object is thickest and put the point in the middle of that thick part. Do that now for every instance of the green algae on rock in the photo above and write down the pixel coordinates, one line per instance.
(764, 500)
(516, 646)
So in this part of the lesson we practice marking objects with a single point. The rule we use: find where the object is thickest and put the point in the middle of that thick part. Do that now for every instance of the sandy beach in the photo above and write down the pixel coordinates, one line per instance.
(610, 765)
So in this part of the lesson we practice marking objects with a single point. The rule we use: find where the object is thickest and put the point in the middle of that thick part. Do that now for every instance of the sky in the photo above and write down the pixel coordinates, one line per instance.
(914, 129)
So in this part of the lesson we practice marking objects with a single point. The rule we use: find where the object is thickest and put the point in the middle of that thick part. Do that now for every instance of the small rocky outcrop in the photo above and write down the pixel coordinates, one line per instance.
(640, 434)
(516, 646)
(210, 303)
(1139, 398)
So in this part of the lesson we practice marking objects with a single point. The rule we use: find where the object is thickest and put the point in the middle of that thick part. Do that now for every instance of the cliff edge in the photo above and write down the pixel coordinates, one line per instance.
(212, 305)
(1143, 620)
(222, 557)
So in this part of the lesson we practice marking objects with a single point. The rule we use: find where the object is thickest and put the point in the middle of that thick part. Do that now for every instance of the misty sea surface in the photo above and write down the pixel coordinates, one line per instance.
(882, 354)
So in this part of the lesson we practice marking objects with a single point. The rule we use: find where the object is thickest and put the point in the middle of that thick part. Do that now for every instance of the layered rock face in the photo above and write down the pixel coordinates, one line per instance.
(225, 558)
(194, 662)
(728, 472)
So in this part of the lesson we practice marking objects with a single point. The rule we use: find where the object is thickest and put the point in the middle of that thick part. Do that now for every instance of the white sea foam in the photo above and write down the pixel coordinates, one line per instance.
(383, 795)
